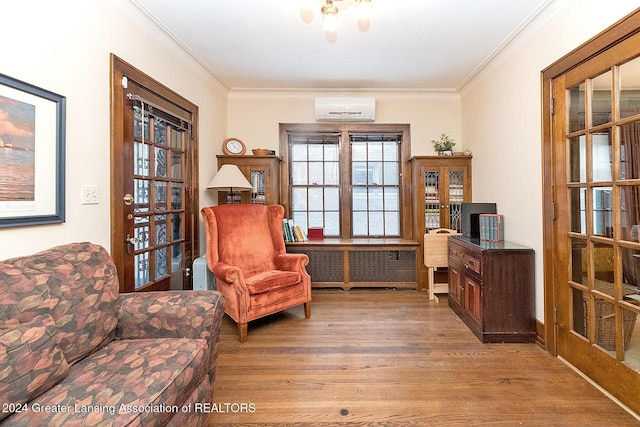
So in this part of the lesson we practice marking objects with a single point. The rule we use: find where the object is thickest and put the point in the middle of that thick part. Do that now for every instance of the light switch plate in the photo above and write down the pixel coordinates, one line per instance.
(90, 195)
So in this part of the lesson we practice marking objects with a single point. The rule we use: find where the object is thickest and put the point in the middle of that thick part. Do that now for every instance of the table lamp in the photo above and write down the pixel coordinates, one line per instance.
(229, 178)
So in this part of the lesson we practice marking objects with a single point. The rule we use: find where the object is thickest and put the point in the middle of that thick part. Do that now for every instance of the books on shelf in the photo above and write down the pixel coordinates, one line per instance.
(491, 227)
(432, 218)
(292, 232)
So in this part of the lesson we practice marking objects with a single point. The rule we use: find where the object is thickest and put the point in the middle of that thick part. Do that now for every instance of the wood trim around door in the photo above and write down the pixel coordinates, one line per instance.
(118, 69)
(621, 30)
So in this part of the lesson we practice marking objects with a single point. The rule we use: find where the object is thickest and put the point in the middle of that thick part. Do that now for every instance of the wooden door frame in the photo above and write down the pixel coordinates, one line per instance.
(621, 30)
(118, 69)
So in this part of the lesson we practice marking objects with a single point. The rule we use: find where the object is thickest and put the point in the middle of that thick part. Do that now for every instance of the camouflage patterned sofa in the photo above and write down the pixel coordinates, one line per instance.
(74, 352)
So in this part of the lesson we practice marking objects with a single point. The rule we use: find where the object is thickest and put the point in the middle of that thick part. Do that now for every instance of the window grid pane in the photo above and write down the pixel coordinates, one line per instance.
(314, 178)
(315, 182)
(375, 185)
(159, 195)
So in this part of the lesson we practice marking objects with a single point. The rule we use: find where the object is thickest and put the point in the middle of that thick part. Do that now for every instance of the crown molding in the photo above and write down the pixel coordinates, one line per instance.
(389, 94)
(143, 20)
(545, 13)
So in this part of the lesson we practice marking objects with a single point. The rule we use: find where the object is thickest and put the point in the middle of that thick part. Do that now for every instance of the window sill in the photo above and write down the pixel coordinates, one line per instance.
(356, 242)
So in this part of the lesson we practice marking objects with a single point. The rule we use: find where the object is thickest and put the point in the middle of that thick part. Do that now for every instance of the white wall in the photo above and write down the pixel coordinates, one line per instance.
(254, 117)
(501, 119)
(64, 46)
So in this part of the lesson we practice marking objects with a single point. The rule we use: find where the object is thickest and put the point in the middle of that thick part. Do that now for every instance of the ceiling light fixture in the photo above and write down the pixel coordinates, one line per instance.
(330, 9)
(330, 16)
(363, 9)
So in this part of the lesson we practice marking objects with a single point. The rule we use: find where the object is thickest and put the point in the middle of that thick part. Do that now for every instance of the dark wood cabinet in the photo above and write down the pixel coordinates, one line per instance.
(491, 288)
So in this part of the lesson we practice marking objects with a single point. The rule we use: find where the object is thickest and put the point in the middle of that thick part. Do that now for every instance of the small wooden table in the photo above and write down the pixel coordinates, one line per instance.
(436, 254)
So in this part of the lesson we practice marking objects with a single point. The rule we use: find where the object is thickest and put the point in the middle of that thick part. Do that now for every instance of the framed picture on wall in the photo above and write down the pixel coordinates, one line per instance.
(32, 154)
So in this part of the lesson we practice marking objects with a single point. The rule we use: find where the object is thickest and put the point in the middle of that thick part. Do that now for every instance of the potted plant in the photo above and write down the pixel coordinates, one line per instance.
(443, 145)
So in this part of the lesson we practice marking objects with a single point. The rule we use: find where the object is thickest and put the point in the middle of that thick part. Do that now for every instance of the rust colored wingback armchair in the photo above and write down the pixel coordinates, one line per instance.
(247, 255)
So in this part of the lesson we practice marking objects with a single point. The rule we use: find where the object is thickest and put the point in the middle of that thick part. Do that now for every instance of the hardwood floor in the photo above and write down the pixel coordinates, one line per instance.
(392, 357)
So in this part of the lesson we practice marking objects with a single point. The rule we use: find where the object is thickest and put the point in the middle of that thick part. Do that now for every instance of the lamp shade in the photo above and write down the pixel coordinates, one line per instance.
(229, 178)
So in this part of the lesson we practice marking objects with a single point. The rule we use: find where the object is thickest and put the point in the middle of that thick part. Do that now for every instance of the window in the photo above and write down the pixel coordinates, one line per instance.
(315, 189)
(375, 185)
(347, 179)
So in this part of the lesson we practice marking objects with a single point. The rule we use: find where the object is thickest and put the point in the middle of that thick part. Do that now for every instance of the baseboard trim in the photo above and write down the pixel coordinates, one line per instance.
(541, 336)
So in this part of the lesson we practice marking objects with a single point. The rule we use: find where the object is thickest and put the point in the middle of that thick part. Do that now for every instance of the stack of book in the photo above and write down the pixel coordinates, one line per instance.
(492, 227)
(292, 232)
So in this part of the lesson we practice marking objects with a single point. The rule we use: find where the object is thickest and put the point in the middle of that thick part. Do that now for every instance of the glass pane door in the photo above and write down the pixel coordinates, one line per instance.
(432, 200)
(158, 198)
(258, 189)
(456, 197)
(443, 196)
(603, 202)
(597, 144)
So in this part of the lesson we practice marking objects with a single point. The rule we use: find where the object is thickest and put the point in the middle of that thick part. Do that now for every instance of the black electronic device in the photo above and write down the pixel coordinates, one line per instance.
(470, 217)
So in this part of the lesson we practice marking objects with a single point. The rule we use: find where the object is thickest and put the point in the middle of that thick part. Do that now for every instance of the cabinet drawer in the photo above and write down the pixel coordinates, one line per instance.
(456, 252)
(472, 263)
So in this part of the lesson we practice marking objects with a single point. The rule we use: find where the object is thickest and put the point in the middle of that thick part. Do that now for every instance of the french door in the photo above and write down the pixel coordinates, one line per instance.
(154, 222)
(596, 151)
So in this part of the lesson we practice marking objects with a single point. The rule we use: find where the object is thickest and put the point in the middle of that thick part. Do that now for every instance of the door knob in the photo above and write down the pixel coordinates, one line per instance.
(128, 199)
(131, 242)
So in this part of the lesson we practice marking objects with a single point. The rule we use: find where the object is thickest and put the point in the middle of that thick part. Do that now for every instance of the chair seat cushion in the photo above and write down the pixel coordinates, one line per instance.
(138, 382)
(270, 280)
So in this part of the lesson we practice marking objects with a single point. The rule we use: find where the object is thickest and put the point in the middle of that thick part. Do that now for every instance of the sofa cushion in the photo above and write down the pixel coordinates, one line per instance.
(77, 283)
(23, 295)
(271, 280)
(30, 362)
(139, 382)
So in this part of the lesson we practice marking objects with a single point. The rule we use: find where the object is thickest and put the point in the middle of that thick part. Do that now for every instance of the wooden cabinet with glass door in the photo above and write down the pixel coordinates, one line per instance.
(263, 172)
(440, 185)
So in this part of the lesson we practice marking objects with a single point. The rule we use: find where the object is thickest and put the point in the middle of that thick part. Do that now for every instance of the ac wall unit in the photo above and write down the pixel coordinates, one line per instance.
(346, 109)
(203, 278)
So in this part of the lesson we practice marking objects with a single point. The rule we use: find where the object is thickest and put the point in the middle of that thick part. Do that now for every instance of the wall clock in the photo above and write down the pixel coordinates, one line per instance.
(233, 147)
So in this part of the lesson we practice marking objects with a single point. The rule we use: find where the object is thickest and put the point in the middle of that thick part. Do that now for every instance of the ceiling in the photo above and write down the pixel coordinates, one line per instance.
(410, 44)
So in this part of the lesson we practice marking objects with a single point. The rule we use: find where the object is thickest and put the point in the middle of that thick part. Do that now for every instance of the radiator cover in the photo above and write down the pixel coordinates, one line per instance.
(382, 266)
(324, 266)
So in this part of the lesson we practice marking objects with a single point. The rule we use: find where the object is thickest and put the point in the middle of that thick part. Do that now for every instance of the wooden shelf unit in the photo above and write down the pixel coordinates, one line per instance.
(263, 172)
(440, 185)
